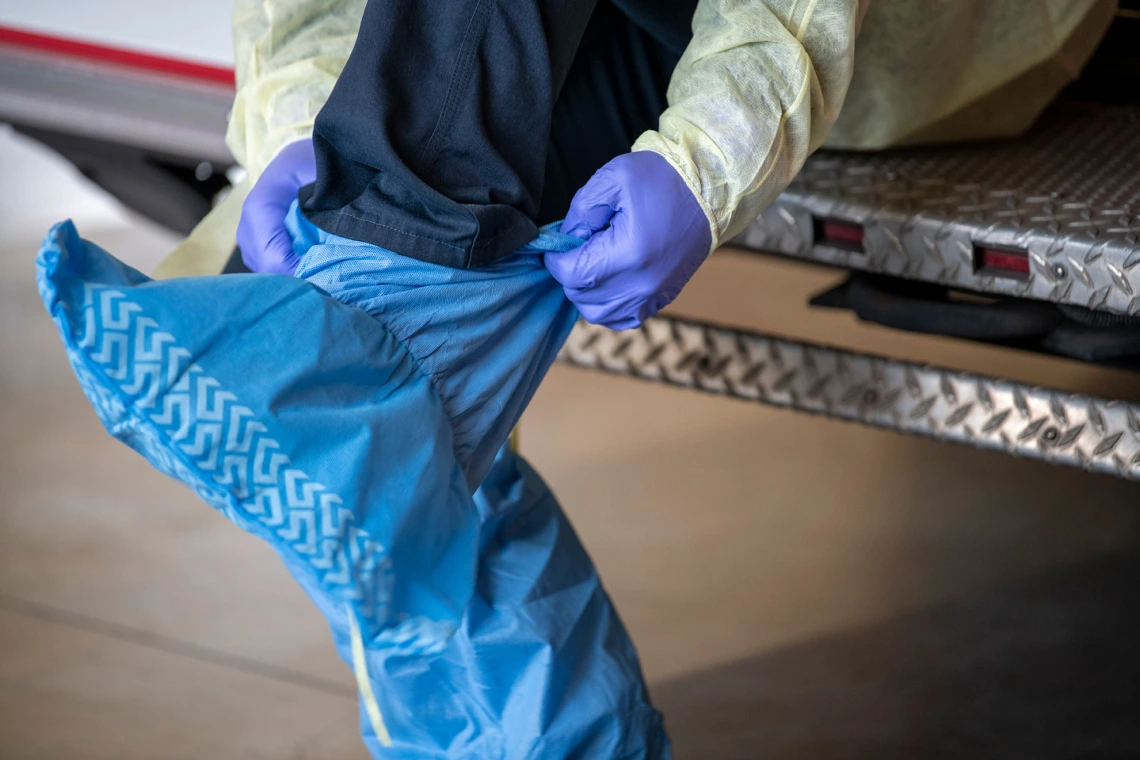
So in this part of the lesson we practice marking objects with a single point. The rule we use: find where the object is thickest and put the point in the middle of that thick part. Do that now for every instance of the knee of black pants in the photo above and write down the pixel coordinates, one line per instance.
(614, 91)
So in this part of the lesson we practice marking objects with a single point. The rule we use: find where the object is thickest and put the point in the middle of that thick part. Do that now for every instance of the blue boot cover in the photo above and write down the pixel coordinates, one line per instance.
(345, 416)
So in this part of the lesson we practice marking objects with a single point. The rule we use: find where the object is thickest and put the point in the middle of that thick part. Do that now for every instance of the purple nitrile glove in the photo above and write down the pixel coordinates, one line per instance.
(647, 234)
(261, 235)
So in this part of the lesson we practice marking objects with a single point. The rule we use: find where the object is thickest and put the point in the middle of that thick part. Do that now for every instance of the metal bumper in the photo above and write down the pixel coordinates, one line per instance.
(1067, 195)
(985, 412)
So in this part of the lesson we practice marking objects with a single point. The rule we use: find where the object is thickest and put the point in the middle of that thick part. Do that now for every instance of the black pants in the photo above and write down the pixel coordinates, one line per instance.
(459, 126)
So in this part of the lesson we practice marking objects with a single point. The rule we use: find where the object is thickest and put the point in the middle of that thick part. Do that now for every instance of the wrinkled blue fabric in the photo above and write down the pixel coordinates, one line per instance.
(345, 416)
(484, 337)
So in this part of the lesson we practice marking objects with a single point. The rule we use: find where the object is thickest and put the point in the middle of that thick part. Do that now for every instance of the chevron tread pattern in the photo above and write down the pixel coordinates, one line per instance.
(190, 427)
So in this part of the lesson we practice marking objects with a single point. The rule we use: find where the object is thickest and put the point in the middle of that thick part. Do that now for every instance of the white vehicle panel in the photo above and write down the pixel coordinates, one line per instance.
(197, 31)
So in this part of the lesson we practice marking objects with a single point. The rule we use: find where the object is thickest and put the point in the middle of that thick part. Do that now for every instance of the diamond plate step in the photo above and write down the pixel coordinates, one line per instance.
(984, 412)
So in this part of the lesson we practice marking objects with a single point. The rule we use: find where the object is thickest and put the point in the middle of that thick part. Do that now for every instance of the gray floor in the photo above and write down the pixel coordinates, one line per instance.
(797, 587)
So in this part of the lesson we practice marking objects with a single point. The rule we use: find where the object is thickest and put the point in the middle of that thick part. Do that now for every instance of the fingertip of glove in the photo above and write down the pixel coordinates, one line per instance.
(566, 267)
(245, 259)
(556, 264)
(576, 228)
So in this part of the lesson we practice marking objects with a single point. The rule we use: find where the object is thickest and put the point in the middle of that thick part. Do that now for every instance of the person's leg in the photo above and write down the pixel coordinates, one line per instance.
(614, 91)
(433, 142)
(669, 22)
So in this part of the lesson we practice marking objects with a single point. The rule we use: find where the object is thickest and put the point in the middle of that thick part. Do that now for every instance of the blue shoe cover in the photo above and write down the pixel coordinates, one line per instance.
(345, 416)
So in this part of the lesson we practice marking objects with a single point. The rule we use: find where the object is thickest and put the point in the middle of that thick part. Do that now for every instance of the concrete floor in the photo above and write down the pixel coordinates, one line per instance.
(797, 587)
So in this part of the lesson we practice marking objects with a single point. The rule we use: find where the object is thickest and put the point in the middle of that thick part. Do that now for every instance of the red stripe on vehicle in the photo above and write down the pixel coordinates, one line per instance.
(117, 56)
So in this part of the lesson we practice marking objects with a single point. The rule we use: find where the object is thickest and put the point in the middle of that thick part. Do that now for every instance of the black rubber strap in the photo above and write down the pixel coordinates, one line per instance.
(925, 309)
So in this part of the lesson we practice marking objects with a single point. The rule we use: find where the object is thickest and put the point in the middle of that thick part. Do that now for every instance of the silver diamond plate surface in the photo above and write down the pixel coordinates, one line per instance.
(1068, 192)
(984, 412)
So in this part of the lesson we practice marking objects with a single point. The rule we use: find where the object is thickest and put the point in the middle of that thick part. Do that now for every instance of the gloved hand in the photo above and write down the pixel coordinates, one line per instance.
(261, 235)
(646, 237)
